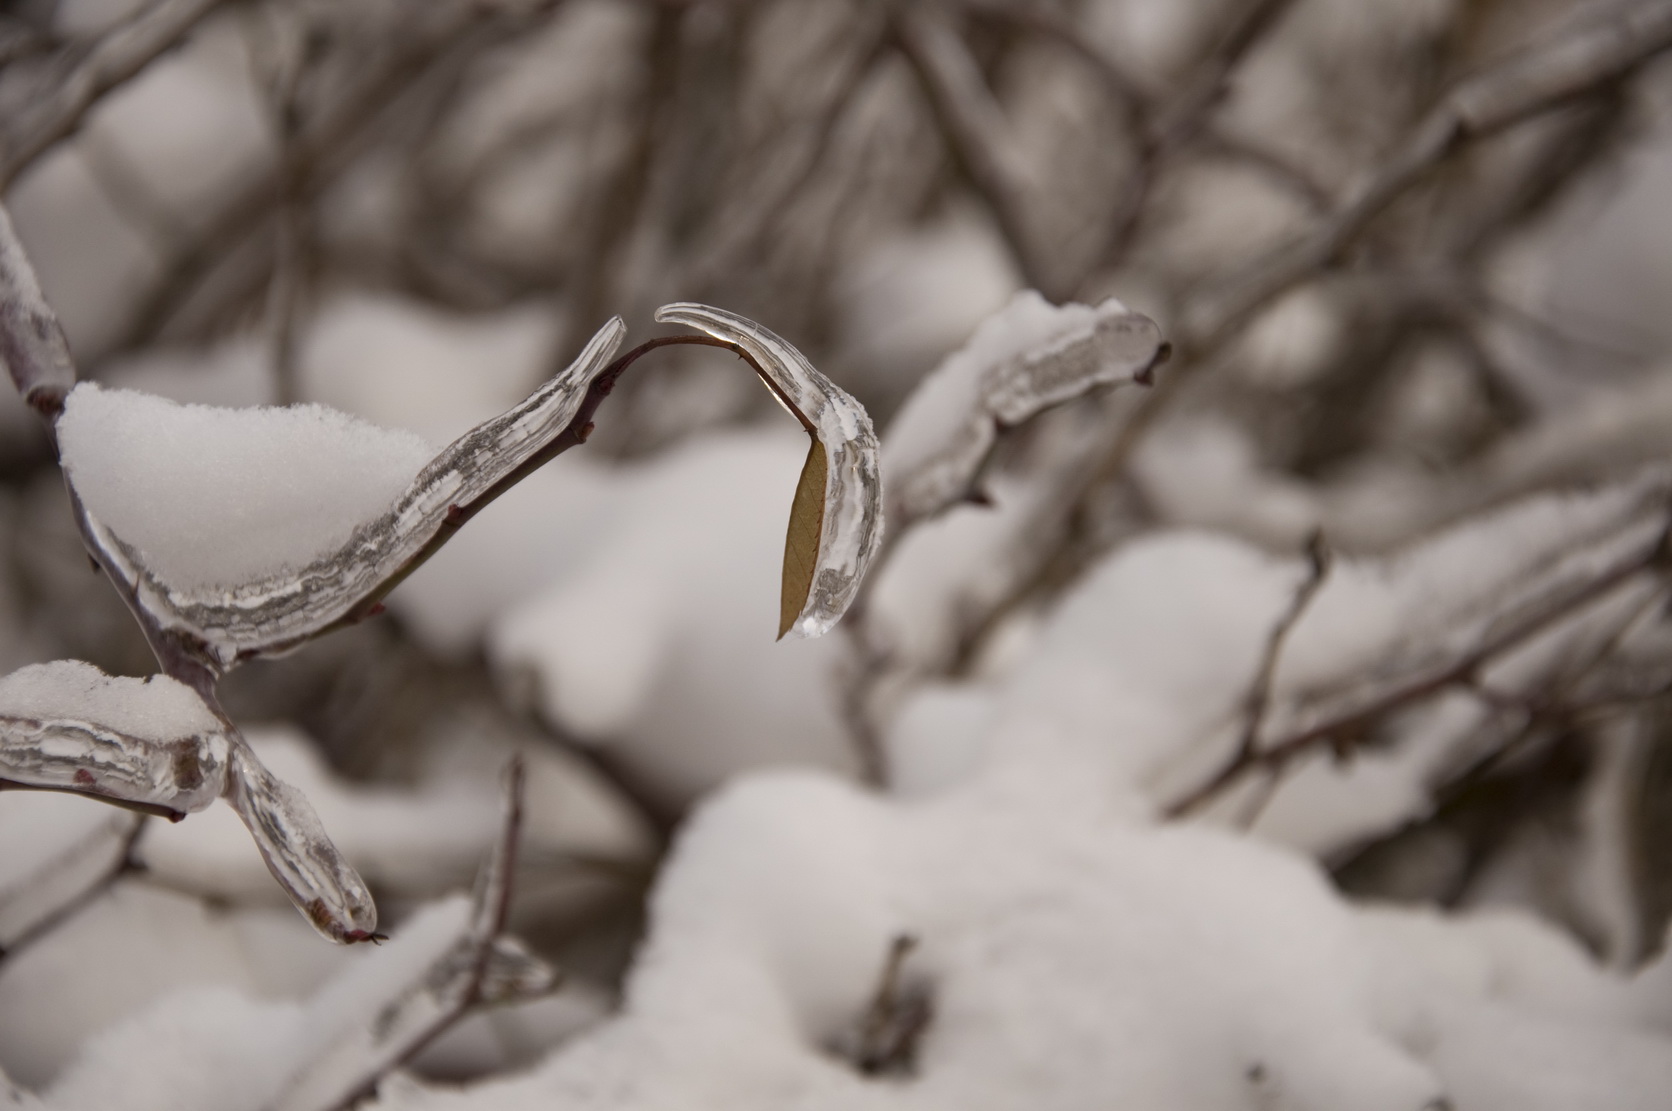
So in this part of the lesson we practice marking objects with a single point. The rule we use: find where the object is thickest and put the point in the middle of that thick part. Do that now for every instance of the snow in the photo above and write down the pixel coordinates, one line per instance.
(213, 497)
(68, 726)
(909, 299)
(1075, 951)
(56, 846)
(156, 708)
(533, 535)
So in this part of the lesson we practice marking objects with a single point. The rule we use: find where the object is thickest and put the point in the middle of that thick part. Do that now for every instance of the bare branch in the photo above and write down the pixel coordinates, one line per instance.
(115, 59)
(1531, 83)
(1258, 700)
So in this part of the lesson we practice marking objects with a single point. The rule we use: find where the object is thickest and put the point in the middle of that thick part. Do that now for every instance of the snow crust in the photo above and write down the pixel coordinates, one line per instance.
(220, 496)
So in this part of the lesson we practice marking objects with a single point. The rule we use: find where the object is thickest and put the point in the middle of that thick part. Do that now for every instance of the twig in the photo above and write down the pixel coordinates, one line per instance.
(895, 1019)
(115, 59)
(576, 433)
(1342, 727)
(1531, 83)
(1258, 700)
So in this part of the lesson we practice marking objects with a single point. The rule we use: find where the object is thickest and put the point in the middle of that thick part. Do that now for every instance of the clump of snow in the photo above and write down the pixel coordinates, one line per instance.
(156, 708)
(533, 535)
(56, 848)
(220, 496)
(1203, 472)
(912, 298)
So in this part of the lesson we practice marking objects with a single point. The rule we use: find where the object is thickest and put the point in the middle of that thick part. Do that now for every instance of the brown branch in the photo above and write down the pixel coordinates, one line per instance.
(1258, 700)
(895, 1020)
(117, 57)
(1341, 728)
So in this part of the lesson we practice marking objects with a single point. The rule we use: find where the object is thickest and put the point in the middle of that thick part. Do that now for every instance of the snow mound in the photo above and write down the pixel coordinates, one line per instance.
(215, 497)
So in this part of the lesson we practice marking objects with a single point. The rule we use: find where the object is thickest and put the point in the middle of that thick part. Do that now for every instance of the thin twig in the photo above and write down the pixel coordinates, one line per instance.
(1258, 700)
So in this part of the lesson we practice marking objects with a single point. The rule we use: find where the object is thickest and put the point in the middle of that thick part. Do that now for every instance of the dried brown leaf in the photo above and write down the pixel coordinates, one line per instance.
(801, 546)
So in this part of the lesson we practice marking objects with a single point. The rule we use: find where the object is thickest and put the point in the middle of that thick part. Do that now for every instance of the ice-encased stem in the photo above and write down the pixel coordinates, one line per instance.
(299, 853)
(271, 615)
(853, 523)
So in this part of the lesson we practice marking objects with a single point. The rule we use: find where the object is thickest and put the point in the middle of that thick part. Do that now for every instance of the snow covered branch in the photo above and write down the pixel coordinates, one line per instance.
(1345, 727)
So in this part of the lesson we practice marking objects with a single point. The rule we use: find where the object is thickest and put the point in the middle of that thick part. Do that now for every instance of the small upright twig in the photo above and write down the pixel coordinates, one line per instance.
(1258, 700)
(896, 1018)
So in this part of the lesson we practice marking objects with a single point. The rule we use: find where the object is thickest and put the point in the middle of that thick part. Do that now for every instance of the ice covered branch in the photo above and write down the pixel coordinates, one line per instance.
(31, 342)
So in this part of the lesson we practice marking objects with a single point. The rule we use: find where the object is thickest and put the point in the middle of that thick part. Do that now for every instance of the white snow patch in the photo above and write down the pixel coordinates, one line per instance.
(222, 496)
(156, 708)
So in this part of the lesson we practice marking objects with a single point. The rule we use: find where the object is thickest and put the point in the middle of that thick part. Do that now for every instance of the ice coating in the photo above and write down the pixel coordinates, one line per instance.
(148, 742)
(299, 853)
(270, 614)
(853, 482)
(1025, 358)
